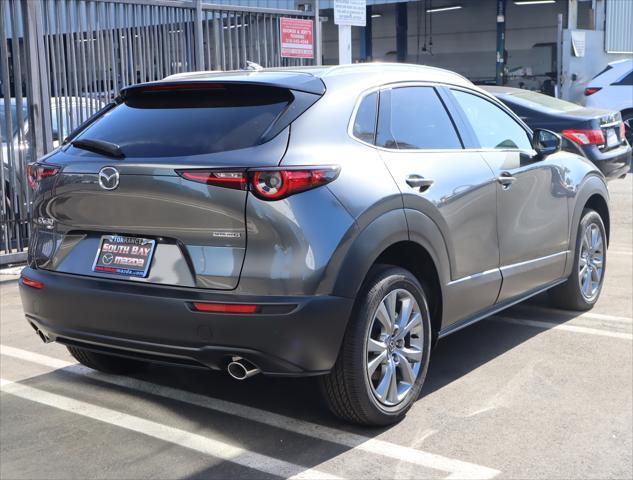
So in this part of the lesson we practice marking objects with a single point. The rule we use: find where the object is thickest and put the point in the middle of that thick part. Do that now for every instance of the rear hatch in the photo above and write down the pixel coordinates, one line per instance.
(124, 205)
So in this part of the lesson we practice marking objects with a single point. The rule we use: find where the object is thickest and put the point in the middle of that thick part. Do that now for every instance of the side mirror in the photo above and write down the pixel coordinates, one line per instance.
(546, 142)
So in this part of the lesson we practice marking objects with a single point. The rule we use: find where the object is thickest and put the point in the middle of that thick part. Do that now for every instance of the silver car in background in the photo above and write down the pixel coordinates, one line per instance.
(66, 114)
(332, 222)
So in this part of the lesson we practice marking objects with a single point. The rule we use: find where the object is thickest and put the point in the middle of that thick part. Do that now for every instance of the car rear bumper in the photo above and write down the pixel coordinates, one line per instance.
(612, 163)
(157, 323)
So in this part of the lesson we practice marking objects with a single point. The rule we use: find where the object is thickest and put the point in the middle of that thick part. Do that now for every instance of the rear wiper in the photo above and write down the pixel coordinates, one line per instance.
(99, 146)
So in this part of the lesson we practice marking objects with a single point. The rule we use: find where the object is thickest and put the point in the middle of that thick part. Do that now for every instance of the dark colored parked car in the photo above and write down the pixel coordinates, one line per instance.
(597, 134)
(322, 221)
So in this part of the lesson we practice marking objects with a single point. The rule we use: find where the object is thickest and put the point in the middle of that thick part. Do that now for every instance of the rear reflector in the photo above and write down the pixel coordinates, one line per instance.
(224, 307)
(592, 90)
(584, 137)
(622, 131)
(29, 282)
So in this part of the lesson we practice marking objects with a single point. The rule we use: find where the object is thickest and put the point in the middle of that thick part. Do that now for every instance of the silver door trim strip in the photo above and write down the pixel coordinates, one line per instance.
(506, 268)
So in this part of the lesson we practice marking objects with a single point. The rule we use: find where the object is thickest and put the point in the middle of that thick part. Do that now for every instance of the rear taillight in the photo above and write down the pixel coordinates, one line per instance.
(584, 137)
(622, 131)
(29, 282)
(36, 172)
(276, 184)
(219, 178)
(592, 90)
(267, 184)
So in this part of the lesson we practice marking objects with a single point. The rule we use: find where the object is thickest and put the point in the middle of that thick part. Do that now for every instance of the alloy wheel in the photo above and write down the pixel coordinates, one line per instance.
(591, 262)
(394, 347)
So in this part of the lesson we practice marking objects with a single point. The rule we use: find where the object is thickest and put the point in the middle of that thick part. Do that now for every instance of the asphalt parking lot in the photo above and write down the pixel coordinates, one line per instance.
(530, 393)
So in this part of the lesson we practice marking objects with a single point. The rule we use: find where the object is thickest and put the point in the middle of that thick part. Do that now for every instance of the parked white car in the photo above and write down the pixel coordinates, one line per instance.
(612, 89)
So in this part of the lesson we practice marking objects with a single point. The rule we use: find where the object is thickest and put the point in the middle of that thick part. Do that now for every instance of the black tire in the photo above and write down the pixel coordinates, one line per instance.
(627, 118)
(569, 295)
(105, 363)
(347, 389)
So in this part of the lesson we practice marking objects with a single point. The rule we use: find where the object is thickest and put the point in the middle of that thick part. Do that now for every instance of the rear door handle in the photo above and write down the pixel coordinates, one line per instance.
(418, 181)
(506, 180)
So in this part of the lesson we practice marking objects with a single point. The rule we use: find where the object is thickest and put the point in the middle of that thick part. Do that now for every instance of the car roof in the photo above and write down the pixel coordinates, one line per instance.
(303, 78)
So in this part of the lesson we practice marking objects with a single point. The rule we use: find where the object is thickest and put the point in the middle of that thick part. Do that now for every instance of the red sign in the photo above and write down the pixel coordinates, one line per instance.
(296, 38)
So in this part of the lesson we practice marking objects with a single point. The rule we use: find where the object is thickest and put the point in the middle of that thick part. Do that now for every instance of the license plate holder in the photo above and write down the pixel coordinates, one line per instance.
(612, 138)
(123, 255)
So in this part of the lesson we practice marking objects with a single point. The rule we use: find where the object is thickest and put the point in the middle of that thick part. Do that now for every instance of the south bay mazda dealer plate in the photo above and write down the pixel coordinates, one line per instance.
(121, 255)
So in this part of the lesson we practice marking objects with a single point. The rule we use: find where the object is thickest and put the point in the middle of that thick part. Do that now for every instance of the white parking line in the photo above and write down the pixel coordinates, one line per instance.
(567, 328)
(176, 436)
(588, 315)
(456, 468)
(619, 252)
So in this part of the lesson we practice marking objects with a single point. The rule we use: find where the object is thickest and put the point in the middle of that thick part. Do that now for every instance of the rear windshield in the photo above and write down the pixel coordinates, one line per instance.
(171, 123)
(538, 100)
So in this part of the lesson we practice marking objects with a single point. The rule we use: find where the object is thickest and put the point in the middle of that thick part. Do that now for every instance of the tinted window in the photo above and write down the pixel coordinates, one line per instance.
(606, 69)
(493, 127)
(626, 80)
(365, 121)
(415, 118)
(187, 122)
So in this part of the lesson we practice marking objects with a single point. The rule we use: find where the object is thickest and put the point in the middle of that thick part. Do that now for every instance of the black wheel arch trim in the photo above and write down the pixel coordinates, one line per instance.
(388, 229)
(592, 185)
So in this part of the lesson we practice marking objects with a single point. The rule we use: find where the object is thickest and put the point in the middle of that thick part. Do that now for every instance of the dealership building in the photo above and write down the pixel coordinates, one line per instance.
(540, 43)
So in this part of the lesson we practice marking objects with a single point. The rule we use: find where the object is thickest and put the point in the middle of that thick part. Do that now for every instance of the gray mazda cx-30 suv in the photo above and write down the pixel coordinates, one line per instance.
(333, 222)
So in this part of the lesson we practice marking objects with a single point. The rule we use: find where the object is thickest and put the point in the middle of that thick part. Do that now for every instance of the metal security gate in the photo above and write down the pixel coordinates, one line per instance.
(62, 60)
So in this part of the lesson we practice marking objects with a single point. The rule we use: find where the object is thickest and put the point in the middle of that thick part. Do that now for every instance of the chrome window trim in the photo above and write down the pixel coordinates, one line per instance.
(359, 100)
(490, 98)
(391, 86)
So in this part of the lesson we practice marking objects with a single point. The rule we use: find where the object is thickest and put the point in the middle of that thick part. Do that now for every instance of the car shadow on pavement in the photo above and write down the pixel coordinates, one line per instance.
(454, 357)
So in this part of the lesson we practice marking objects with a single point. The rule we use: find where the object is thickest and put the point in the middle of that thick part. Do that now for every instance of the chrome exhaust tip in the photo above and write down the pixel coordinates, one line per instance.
(241, 369)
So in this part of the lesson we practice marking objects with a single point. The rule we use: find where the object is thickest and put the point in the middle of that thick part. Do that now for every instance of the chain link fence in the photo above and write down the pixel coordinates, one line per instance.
(62, 60)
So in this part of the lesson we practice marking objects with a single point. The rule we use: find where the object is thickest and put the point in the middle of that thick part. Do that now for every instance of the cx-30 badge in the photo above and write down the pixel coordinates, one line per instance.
(108, 178)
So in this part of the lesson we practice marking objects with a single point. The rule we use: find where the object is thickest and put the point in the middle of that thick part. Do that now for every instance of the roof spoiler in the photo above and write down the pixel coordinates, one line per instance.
(298, 82)
(301, 99)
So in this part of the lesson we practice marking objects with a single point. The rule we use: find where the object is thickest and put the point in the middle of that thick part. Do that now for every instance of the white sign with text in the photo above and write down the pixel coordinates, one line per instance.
(350, 12)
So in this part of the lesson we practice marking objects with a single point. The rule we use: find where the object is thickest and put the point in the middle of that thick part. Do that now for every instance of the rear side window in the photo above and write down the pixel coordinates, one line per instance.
(365, 120)
(626, 80)
(415, 118)
(606, 69)
(171, 123)
(493, 127)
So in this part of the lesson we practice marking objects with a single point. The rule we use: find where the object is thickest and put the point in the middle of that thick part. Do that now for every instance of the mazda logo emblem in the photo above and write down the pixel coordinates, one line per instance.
(108, 178)
(107, 258)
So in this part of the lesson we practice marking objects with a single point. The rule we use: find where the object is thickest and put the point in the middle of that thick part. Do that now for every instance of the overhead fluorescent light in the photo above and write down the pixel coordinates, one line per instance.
(376, 15)
(533, 2)
(443, 9)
